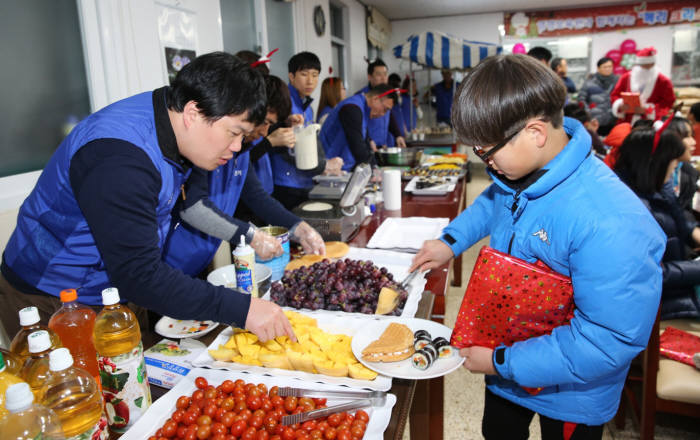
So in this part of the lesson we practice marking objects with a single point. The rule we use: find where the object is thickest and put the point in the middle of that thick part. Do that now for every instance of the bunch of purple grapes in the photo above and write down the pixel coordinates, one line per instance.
(347, 285)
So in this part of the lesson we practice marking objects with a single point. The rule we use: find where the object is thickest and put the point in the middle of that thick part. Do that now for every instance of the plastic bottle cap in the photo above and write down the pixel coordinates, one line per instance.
(39, 341)
(60, 359)
(243, 240)
(28, 316)
(110, 296)
(68, 295)
(18, 397)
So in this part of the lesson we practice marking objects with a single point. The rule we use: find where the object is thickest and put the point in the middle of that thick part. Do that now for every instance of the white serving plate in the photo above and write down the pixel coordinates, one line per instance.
(163, 408)
(407, 234)
(404, 369)
(179, 328)
(437, 190)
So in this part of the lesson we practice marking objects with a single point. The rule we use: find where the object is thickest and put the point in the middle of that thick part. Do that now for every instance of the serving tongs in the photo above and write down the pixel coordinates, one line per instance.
(361, 399)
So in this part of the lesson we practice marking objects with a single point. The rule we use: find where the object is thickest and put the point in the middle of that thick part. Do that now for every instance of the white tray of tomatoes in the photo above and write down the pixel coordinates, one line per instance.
(215, 403)
(327, 321)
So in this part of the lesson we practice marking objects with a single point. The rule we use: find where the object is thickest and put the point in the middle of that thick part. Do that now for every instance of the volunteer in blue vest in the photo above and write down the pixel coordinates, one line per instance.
(345, 132)
(443, 92)
(409, 99)
(191, 250)
(396, 110)
(292, 186)
(380, 128)
(100, 212)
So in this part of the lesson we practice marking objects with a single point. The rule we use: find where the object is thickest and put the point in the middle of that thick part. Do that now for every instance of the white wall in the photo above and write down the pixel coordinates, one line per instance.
(661, 37)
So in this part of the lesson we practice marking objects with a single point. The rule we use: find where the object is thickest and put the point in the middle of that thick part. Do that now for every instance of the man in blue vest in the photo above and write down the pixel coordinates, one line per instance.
(292, 186)
(385, 130)
(345, 132)
(100, 213)
(443, 92)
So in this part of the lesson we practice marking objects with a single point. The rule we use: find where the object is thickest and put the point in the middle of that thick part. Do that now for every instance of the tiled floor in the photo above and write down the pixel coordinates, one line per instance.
(464, 392)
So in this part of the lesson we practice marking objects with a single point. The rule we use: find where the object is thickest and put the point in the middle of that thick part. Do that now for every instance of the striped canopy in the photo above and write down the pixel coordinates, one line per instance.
(442, 51)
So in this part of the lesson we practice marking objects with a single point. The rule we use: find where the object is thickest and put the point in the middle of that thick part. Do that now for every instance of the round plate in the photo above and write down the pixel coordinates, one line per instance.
(178, 329)
(403, 369)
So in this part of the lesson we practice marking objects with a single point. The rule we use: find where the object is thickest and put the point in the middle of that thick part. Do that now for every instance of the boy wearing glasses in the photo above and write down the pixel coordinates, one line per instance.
(552, 200)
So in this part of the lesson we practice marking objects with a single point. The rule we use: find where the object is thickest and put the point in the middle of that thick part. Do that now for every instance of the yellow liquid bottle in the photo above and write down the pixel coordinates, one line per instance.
(29, 320)
(27, 420)
(72, 393)
(13, 362)
(120, 359)
(6, 379)
(36, 368)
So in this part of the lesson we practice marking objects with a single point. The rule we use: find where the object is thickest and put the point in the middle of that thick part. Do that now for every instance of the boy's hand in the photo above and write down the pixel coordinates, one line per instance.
(282, 137)
(434, 253)
(478, 360)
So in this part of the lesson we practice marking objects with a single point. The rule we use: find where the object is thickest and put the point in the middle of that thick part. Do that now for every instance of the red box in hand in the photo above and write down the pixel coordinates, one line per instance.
(509, 300)
(679, 345)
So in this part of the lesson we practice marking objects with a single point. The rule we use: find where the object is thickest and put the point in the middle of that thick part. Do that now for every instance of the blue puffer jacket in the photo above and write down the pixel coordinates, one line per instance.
(583, 222)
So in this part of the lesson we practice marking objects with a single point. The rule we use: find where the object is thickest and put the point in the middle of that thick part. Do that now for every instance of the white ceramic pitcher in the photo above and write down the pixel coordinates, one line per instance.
(305, 149)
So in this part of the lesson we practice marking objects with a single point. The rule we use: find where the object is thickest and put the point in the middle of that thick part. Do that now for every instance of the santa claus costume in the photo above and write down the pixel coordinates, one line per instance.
(655, 89)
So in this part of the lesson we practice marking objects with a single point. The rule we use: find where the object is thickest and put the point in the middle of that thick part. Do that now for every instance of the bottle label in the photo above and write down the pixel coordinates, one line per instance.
(244, 277)
(97, 432)
(124, 388)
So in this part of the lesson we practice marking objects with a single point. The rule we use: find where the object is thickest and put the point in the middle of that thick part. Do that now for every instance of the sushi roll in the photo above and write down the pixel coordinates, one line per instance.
(430, 348)
(443, 347)
(423, 359)
(420, 342)
(420, 333)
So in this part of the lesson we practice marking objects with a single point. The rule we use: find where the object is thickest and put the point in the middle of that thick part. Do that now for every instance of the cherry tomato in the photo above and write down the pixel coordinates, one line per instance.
(227, 403)
(270, 422)
(362, 415)
(190, 417)
(262, 388)
(319, 401)
(238, 427)
(274, 391)
(181, 431)
(344, 434)
(288, 433)
(330, 433)
(255, 422)
(201, 383)
(277, 401)
(210, 393)
(290, 403)
(183, 402)
(309, 425)
(249, 434)
(307, 404)
(267, 404)
(349, 418)
(334, 420)
(239, 382)
(303, 435)
(204, 420)
(227, 419)
(240, 406)
(262, 435)
(249, 387)
(323, 424)
(316, 434)
(218, 437)
(246, 414)
(343, 425)
(197, 395)
(177, 415)
(253, 402)
(169, 429)
(218, 428)
(275, 437)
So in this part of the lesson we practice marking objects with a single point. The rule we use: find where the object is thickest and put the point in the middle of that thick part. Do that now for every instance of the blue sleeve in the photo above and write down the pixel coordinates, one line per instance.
(117, 186)
(263, 204)
(617, 288)
(473, 223)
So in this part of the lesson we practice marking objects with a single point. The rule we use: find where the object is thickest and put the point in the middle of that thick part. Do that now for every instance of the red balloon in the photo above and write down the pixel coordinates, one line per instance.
(519, 48)
(619, 70)
(628, 46)
(615, 55)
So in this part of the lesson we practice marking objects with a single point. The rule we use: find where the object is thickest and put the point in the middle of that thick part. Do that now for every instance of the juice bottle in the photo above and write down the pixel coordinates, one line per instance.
(6, 379)
(29, 320)
(27, 420)
(72, 393)
(74, 323)
(122, 367)
(36, 368)
(13, 362)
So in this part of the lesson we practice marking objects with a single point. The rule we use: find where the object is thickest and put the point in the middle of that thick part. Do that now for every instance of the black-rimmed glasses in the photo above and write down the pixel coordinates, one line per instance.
(486, 155)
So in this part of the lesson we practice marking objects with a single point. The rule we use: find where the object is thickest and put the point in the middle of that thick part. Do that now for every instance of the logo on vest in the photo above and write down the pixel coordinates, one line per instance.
(542, 235)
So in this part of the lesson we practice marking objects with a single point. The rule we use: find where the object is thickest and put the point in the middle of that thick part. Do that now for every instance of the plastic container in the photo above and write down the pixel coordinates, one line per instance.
(74, 324)
(6, 379)
(35, 370)
(27, 420)
(244, 260)
(13, 362)
(277, 264)
(29, 320)
(117, 338)
(72, 393)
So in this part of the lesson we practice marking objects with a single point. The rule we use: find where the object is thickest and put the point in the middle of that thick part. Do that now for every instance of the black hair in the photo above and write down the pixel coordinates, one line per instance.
(278, 100)
(250, 57)
(374, 64)
(576, 111)
(382, 88)
(395, 80)
(604, 60)
(695, 110)
(641, 170)
(540, 53)
(304, 61)
(640, 123)
(221, 85)
(680, 127)
(555, 63)
(501, 93)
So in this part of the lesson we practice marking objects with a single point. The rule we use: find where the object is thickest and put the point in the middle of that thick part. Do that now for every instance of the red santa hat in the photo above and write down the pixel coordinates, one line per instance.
(646, 56)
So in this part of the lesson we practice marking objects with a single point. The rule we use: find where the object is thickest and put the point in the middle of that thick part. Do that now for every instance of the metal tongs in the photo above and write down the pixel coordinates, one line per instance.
(406, 281)
(362, 399)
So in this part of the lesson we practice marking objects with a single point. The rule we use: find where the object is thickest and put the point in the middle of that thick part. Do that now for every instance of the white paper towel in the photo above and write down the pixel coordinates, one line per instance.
(391, 189)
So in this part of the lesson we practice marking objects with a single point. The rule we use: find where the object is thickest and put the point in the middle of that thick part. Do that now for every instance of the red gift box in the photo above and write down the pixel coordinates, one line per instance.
(509, 300)
(679, 345)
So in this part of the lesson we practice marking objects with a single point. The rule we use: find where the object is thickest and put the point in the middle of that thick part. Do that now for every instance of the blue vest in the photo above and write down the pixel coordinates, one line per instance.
(190, 250)
(333, 138)
(378, 128)
(409, 120)
(443, 101)
(52, 247)
(263, 169)
(285, 173)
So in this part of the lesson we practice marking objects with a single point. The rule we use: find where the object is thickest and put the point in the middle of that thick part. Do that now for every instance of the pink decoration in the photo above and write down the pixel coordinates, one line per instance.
(628, 46)
(519, 48)
(619, 70)
(615, 55)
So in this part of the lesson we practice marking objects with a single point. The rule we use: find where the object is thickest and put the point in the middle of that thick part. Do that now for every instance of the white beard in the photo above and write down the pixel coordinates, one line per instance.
(642, 81)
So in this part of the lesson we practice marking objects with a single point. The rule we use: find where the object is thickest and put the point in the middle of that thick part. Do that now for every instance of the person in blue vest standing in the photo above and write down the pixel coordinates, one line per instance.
(409, 99)
(292, 186)
(443, 92)
(100, 212)
(396, 110)
(346, 130)
(380, 128)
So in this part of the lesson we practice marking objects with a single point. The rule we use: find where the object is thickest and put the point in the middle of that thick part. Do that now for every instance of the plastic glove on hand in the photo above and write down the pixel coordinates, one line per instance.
(266, 246)
(310, 240)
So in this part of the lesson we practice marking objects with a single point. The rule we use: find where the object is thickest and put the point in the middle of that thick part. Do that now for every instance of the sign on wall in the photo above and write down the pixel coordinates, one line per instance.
(602, 19)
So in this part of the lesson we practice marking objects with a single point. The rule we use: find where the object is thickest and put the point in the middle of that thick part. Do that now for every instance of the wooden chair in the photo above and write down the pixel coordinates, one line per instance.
(667, 386)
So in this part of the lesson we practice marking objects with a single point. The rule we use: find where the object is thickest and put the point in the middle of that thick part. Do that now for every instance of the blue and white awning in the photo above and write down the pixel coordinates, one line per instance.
(441, 51)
